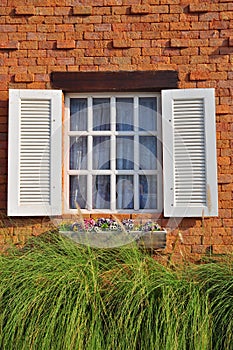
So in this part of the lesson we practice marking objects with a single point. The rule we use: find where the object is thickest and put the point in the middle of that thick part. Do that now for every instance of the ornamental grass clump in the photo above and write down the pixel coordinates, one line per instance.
(216, 280)
(57, 295)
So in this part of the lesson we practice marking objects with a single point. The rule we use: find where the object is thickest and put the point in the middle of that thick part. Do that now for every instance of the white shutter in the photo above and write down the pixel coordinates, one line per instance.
(189, 153)
(34, 156)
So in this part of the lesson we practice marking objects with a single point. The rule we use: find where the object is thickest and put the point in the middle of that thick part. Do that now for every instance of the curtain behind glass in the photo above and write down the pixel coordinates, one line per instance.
(147, 114)
(78, 114)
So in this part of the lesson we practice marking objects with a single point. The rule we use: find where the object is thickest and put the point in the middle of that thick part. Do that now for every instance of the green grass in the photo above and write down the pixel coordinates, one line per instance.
(56, 295)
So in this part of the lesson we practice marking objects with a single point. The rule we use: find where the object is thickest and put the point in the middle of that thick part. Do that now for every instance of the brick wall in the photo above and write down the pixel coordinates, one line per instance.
(193, 37)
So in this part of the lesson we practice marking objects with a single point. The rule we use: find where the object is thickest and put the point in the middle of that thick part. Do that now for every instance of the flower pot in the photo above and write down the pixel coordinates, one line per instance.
(153, 240)
(110, 239)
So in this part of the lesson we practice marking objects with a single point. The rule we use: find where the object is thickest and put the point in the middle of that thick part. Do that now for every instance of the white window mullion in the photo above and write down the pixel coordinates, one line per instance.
(113, 153)
(89, 154)
(136, 136)
(136, 192)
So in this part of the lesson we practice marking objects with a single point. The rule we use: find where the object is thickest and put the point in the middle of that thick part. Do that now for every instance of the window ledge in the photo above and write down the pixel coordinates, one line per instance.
(115, 81)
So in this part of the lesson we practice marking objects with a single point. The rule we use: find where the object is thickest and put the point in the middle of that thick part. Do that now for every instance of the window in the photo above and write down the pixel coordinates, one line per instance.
(112, 153)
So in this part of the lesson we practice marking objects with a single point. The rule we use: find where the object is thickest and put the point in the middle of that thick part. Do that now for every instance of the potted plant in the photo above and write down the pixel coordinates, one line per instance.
(107, 233)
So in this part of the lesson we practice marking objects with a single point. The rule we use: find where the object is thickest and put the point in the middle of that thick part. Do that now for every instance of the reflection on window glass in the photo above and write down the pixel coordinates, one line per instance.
(78, 153)
(101, 114)
(101, 152)
(78, 114)
(124, 114)
(148, 192)
(147, 113)
(101, 192)
(125, 152)
(78, 191)
(147, 152)
(125, 192)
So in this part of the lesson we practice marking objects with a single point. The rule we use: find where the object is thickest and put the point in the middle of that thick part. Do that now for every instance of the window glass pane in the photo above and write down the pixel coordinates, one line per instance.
(101, 192)
(125, 152)
(101, 152)
(101, 114)
(125, 192)
(78, 191)
(147, 113)
(124, 114)
(147, 152)
(148, 191)
(78, 114)
(78, 153)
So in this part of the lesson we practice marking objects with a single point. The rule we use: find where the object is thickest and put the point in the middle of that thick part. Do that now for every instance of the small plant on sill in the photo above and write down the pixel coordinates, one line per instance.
(107, 224)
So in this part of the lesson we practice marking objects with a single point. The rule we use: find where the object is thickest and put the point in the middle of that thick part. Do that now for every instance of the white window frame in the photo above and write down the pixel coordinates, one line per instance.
(112, 172)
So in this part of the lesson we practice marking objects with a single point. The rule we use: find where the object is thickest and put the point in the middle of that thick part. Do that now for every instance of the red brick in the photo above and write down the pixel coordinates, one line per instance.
(104, 10)
(47, 28)
(170, 18)
(7, 28)
(228, 240)
(203, 7)
(180, 59)
(222, 109)
(62, 11)
(206, 7)
(82, 10)
(27, 28)
(212, 240)
(199, 75)
(209, 16)
(180, 26)
(66, 44)
(231, 41)
(219, 24)
(140, 9)
(225, 178)
(9, 45)
(179, 43)
(191, 239)
(99, 19)
(222, 249)
(224, 16)
(29, 45)
(176, 9)
(45, 11)
(26, 78)
(102, 27)
(25, 10)
(227, 135)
